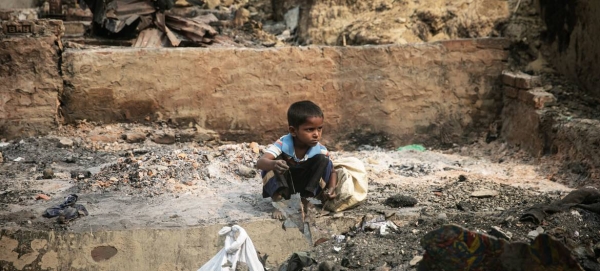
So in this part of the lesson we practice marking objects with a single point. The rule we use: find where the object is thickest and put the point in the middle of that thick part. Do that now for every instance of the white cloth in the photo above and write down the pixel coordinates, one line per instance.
(352, 184)
(236, 250)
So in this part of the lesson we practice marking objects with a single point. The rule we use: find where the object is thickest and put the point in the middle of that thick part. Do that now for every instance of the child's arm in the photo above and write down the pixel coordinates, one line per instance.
(267, 162)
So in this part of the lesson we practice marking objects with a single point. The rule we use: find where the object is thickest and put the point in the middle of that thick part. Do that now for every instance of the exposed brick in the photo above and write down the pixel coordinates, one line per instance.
(511, 92)
(508, 78)
(520, 80)
(542, 99)
(536, 98)
(526, 81)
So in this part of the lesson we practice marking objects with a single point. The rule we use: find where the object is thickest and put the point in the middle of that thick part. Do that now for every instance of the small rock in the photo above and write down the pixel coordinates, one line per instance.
(163, 138)
(70, 159)
(188, 182)
(1, 158)
(485, 193)
(245, 171)
(497, 232)
(415, 231)
(135, 137)
(533, 234)
(48, 173)
(65, 143)
(254, 147)
(337, 249)
(540, 230)
(18, 159)
(464, 206)
(462, 178)
(42, 196)
(499, 209)
(340, 214)
(80, 174)
(416, 260)
(399, 200)
(442, 216)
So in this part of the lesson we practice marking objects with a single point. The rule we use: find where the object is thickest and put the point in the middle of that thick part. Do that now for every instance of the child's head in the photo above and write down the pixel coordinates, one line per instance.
(299, 112)
(305, 120)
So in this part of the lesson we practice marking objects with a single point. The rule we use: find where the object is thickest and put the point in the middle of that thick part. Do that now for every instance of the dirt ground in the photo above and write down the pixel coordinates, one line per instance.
(149, 185)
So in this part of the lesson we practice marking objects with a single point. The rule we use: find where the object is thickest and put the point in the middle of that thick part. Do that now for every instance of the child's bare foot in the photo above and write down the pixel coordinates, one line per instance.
(277, 215)
(307, 209)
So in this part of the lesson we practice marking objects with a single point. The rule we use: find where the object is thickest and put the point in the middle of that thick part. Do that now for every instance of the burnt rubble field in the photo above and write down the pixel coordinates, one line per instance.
(483, 187)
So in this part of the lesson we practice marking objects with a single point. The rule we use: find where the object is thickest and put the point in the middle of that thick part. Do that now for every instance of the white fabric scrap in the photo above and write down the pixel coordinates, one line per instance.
(236, 250)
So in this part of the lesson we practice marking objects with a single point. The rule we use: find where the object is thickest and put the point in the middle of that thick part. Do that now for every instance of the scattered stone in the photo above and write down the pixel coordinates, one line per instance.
(533, 234)
(487, 193)
(416, 260)
(70, 159)
(48, 173)
(188, 182)
(134, 137)
(254, 147)
(337, 249)
(500, 209)
(80, 174)
(399, 200)
(245, 171)
(464, 206)
(499, 233)
(540, 230)
(442, 216)
(462, 178)
(18, 159)
(65, 143)
(1, 158)
(163, 138)
(42, 196)
(340, 214)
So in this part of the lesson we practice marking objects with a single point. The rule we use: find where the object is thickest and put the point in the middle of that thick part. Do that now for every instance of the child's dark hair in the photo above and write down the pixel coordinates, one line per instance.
(300, 111)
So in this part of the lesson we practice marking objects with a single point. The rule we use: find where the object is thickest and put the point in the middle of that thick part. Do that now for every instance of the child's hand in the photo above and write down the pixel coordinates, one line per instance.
(280, 166)
(330, 193)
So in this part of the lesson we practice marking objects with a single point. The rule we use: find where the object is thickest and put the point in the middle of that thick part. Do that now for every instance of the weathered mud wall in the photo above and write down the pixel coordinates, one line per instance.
(29, 85)
(422, 92)
(141, 249)
(17, 3)
(574, 43)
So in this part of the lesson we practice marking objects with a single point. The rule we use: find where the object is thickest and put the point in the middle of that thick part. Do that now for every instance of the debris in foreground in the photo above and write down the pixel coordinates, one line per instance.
(452, 247)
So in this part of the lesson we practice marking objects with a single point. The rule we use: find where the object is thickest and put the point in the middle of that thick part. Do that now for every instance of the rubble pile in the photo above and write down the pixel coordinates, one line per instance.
(151, 172)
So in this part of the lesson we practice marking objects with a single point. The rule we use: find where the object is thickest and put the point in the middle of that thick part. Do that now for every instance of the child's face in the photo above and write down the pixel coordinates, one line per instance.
(308, 133)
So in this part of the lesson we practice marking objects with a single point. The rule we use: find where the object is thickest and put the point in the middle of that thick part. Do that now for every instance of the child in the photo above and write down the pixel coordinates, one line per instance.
(297, 162)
